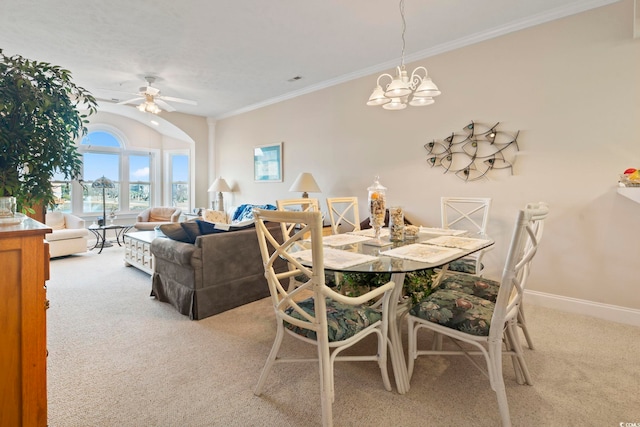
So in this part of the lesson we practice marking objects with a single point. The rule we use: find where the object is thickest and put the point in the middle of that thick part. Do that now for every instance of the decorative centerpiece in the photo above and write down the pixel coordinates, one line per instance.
(396, 224)
(377, 195)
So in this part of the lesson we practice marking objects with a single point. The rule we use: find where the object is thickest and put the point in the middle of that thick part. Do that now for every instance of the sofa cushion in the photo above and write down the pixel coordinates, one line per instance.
(176, 232)
(55, 220)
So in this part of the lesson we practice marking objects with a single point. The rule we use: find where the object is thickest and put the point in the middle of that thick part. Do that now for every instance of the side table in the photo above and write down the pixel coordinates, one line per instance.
(100, 233)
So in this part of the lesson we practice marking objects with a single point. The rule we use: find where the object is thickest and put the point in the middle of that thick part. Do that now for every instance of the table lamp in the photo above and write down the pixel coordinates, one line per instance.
(219, 185)
(305, 183)
(103, 182)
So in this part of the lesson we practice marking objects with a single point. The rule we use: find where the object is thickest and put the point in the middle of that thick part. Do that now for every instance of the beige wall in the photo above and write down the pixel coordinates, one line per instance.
(198, 130)
(570, 87)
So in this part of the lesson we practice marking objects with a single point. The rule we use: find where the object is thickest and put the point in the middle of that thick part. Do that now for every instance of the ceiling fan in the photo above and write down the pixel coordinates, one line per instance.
(153, 101)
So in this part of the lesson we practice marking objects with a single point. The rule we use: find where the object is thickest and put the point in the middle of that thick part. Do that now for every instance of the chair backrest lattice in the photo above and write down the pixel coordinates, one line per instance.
(524, 245)
(465, 213)
(296, 205)
(272, 249)
(343, 213)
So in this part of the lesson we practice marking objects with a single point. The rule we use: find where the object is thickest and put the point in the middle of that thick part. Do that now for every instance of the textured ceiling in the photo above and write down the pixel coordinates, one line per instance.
(235, 55)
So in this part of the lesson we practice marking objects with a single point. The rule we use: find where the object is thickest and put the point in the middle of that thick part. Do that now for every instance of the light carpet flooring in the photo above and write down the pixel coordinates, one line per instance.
(120, 358)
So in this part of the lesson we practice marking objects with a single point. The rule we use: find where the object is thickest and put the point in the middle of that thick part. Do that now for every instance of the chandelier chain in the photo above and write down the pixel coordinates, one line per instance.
(404, 29)
(416, 90)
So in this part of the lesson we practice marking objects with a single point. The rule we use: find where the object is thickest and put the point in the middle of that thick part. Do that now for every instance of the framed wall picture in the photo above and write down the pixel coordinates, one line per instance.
(267, 163)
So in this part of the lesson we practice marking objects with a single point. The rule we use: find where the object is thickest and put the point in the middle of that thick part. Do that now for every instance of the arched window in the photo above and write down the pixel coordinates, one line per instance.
(134, 171)
(104, 153)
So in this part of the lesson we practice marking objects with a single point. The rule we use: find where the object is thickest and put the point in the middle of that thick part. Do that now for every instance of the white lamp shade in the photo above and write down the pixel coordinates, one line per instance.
(427, 88)
(220, 185)
(305, 183)
(395, 104)
(397, 89)
(421, 101)
(377, 97)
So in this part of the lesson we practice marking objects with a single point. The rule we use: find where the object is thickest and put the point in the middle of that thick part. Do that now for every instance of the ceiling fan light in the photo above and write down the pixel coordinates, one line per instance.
(377, 97)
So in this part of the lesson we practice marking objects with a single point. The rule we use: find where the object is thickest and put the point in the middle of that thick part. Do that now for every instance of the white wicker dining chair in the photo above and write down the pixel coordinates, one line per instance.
(487, 288)
(343, 213)
(313, 312)
(470, 214)
(483, 325)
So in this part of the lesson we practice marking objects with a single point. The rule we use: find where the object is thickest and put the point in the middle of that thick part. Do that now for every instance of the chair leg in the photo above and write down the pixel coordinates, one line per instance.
(326, 382)
(382, 360)
(522, 323)
(437, 341)
(412, 338)
(270, 360)
(525, 377)
(494, 366)
(510, 340)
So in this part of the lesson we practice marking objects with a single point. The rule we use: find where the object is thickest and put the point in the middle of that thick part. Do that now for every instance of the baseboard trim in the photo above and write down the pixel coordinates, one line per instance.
(610, 312)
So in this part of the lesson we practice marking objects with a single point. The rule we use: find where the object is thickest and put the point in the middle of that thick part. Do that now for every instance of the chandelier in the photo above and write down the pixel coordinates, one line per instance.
(396, 94)
(149, 105)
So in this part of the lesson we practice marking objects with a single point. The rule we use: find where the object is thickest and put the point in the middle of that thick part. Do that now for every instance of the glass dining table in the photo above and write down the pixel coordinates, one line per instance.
(431, 248)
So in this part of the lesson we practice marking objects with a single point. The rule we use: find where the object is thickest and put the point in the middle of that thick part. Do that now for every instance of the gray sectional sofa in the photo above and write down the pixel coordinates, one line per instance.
(216, 273)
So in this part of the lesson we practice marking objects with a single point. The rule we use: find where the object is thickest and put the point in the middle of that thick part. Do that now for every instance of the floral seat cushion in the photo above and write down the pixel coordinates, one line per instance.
(343, 320)
(464, 265)
(472, 285)
(456, 310)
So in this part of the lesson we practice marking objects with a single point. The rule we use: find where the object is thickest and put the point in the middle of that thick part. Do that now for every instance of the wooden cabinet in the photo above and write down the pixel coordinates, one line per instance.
(24, 268)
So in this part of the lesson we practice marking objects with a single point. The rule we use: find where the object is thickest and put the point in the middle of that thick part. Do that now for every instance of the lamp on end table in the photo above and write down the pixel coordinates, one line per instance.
(219, 185)
(305, 183)
(104, 183)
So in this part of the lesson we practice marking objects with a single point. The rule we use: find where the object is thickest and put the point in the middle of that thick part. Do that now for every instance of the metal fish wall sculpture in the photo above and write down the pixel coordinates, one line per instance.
(474, 153)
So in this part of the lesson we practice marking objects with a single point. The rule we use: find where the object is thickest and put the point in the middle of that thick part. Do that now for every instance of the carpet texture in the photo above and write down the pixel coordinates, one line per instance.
(120, 358)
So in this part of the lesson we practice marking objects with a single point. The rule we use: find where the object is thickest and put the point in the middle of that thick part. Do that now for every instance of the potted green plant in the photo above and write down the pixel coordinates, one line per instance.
(42, 114)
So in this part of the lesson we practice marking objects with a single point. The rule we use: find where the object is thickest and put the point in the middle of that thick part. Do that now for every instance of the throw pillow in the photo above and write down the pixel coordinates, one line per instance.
(206, 227)
(55, 220)
(245, 212)
(175, 231)
(210, 228)
(192, 230)
(210, 215)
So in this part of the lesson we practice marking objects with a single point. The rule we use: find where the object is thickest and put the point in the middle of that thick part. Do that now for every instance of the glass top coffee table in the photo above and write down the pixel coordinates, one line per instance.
(100, 233)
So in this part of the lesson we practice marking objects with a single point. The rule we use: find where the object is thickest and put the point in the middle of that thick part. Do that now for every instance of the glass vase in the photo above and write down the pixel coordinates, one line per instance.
(7, 207)
(396, 224)
(377, 198)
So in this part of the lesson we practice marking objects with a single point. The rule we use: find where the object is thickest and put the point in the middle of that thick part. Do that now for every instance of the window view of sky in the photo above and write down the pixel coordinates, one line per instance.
(104, 155)
(180, 168)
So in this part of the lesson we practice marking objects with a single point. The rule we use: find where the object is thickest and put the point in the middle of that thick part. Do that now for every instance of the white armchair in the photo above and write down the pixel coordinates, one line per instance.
(69, 235)
(149, 218)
